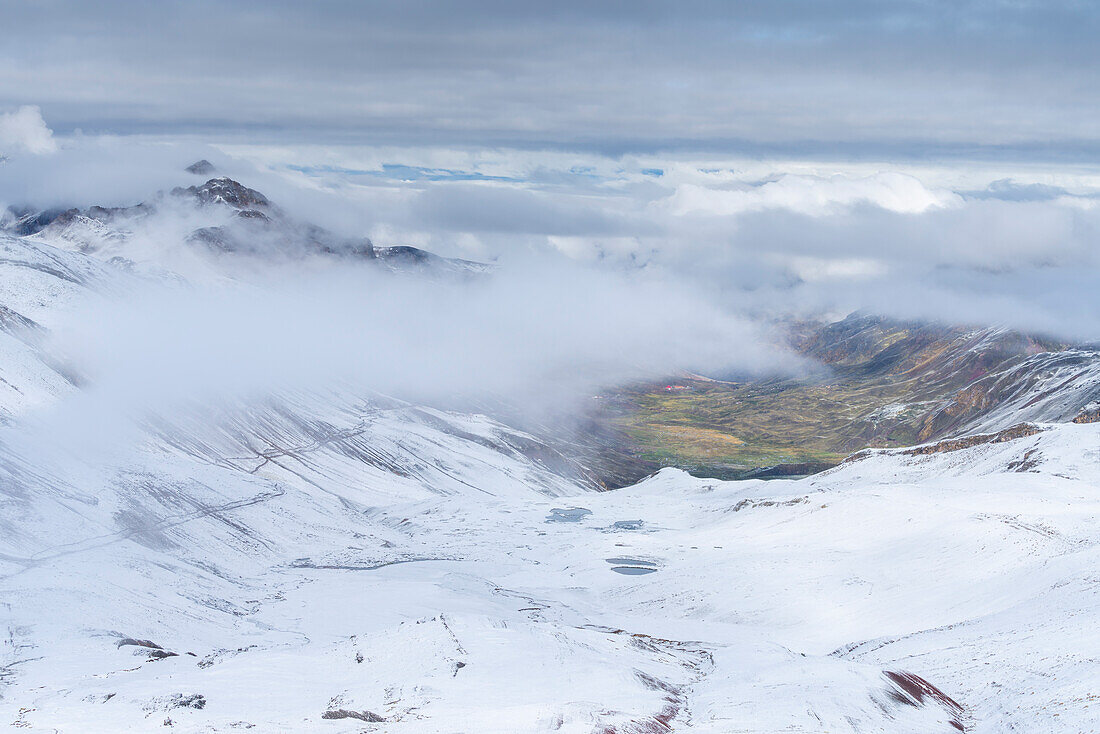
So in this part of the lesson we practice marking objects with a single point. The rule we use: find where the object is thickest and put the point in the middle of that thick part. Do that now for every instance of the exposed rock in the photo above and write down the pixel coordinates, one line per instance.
(369, 716)
(176, 701)
(155, 651)
(161, 654)
(201, 168)
(216, 238)
(412, 259)
(23, 221)
(1089, 414)
(912, 690)
(749, 503)
(1028, 462)
(193, 701)
(225, 191)
(138, 643)
(1022, 430)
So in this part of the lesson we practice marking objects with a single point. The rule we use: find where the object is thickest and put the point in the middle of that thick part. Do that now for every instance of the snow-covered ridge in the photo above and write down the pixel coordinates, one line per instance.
(219, 217)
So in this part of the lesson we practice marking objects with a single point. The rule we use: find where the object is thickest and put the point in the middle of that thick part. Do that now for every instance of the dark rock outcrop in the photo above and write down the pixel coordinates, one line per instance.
(368, 716)
(1089, 414)
(201, 168)
(225, 191)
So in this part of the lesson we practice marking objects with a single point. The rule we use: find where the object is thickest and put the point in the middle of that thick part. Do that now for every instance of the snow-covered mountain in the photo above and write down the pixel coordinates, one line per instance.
(221, 216)
(324, 560)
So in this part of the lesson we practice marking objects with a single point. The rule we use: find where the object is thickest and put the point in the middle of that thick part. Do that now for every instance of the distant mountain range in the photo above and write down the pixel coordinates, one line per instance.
(220, 215)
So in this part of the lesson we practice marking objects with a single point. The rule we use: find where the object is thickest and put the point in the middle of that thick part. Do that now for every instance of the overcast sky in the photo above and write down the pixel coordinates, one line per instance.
(914, 78)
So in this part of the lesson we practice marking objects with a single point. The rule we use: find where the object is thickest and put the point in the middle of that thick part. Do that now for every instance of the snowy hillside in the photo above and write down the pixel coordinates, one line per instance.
(324, 560)
(469, 593)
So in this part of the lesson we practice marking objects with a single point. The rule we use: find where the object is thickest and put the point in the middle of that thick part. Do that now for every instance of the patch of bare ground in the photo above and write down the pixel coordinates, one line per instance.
(155, 651)
(911, 690)
(1021, 430)
(1089, 414)
(368, 716)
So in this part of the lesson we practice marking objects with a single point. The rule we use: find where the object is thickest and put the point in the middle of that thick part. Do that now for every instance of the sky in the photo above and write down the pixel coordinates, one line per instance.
(909, 78)
(932, 160)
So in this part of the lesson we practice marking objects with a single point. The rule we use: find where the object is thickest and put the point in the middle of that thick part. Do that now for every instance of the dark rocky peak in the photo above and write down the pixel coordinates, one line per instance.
(403, 258)
(326, 244)
(108, 213)
(225, 191)
(406, 255)
(268, 233)
(201, 168)
(22, 221)
(252, 214)
(256, 227)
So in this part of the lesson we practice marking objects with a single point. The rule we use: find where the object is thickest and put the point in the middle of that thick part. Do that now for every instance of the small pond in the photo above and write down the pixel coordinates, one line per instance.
(567, 514)
(632, 566)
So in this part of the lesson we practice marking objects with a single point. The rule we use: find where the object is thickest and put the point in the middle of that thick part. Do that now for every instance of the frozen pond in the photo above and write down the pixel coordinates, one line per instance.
(567, 514)
(623, 561)
(632, 566)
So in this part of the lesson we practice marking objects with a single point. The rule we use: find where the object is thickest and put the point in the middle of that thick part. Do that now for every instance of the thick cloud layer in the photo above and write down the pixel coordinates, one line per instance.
(851, 77)
(540, 334)
(609, 268)
(968, 243)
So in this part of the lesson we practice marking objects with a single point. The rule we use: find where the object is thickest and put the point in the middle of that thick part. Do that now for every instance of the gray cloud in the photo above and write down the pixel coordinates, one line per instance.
(854, 77)
(542, 333)
(510, 210)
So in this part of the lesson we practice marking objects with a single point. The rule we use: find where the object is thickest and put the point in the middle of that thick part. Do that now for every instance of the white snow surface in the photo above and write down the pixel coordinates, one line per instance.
(322, 562)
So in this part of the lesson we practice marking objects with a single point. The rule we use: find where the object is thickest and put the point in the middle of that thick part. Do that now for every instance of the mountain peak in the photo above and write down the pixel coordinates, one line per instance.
(201, 168)
(224, 190)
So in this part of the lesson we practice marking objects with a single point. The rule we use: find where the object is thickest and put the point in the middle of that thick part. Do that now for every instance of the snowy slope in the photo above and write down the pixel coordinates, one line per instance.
(38, 285)
(1052, 386)
(323, 561)
(474, 604)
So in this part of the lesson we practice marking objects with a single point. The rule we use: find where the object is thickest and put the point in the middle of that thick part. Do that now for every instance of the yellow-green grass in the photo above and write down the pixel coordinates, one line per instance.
(726, 426)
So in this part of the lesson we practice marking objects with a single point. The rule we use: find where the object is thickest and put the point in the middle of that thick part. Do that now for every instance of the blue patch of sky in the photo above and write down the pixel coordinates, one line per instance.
(581, 175)
(401, 172)
(1006, 189)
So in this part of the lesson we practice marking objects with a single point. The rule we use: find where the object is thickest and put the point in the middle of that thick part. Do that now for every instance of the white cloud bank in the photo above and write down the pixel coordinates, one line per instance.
(970, 243)
(812, 195)
(25, 130)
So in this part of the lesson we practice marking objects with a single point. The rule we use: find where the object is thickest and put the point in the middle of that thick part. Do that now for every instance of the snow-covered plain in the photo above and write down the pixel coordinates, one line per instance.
(315, 561)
